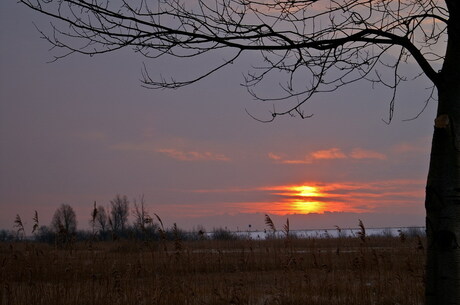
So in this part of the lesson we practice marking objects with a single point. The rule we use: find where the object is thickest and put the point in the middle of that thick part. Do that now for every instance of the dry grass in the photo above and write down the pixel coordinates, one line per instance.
(381, 270)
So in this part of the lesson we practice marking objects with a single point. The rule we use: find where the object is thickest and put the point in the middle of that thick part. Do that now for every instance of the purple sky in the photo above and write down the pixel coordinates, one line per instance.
(83, 129)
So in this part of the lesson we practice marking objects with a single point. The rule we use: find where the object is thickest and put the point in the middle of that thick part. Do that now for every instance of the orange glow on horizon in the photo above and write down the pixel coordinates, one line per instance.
(315, 197)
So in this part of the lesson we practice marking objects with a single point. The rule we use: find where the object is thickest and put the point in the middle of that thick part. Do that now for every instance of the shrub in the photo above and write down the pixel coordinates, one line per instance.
(223, 234)
(7, 235)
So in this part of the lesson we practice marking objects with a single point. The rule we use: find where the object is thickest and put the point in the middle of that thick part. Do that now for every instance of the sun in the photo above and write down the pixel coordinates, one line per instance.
(303, 199)
(306, 191)
(311, 197)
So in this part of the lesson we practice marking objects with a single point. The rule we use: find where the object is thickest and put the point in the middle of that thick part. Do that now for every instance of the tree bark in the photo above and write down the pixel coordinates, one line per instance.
(443, 185)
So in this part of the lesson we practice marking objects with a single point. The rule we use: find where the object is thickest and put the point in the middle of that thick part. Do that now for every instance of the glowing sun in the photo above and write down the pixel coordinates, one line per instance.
(303, 199)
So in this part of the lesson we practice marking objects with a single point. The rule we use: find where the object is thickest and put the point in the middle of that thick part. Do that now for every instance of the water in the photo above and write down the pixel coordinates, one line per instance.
(332, 233)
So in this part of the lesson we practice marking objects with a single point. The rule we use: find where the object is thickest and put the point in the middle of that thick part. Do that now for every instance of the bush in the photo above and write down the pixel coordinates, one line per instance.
(45, 235)
(223, 234)
(7, 235)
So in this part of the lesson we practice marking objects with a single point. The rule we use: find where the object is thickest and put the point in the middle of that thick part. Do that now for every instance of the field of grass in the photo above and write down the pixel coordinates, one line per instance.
(380, 270)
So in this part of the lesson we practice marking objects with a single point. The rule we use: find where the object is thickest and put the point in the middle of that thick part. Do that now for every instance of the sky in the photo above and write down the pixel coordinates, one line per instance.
(83, 129)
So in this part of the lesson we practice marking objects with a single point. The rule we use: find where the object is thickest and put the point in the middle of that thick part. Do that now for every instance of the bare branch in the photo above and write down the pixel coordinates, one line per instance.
(314, 45)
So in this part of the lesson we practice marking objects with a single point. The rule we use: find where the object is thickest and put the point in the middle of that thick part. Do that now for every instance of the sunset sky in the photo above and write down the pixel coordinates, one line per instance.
(83, 129)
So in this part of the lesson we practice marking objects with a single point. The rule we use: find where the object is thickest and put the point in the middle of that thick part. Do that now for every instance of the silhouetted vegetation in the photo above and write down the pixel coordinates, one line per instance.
(119, 213)
(157, 265)
(383, 270)
(223, 234)
(7, 235)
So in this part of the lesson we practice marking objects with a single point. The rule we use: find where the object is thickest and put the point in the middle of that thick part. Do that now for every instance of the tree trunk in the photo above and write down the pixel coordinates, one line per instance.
(443, 185)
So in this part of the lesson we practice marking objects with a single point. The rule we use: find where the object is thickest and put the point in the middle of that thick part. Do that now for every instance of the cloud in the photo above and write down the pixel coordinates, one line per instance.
(274, 156)
(383, 196)
(404, 148)
(226, 190)
(304, 161)
(329, 154)
(174, 153)
(279, 159)
(359, 153)
(333, 153)
(192, 155)
(419, 145)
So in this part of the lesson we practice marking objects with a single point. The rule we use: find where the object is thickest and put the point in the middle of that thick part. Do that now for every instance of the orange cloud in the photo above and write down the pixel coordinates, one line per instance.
(279, 159)
(192, 155)
(274, 156)
(359, 153)
(329, 154)
(305, 161)
(174, 153)
(386, 196)
(333, 153)
(404, 148)
(316, 197)
(417, 146)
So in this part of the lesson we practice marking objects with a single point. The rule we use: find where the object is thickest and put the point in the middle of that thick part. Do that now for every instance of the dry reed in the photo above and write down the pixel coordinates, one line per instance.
(383, 270)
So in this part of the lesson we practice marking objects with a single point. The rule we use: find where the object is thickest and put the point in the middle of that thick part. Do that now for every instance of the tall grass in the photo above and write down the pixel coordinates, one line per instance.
(344, 270)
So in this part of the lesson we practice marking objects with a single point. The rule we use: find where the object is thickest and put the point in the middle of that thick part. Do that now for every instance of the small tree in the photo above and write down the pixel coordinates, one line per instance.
(102, 221)
(119, 212)
(64, 220)
(64, 224)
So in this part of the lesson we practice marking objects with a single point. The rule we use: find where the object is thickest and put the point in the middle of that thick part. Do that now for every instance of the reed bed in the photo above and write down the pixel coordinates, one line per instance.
(377, 270)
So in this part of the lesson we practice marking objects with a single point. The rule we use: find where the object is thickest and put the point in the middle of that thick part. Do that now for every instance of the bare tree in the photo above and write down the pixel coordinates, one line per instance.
(119, 212)
(316, 46)
(102, 219)
(64, 220)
